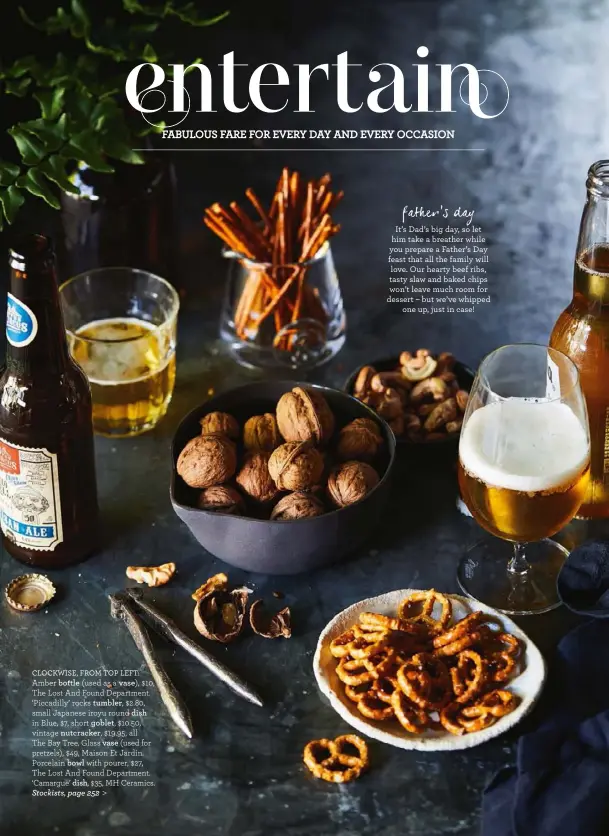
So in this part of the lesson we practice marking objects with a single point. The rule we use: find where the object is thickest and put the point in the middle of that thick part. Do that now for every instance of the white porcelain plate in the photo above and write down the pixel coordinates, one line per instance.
(527, 685)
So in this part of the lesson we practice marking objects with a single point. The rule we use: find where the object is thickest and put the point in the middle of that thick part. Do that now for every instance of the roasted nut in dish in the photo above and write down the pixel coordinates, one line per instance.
(255, 480)
(296, 466)
(261, 433)
(152, 575)
(304, 415)
(360, 440)
(221, 498)
(270, 626)
(207, 460)
(220, 422)
(297, 506)
(350, 482)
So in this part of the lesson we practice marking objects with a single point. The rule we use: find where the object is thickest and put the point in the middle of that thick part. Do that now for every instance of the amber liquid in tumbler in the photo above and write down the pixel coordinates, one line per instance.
(522, 516)
(582, 333)
(131, 367)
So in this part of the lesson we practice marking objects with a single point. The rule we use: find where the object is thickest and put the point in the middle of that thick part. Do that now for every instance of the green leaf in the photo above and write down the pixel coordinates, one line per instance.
(80, 13)
(149, 54)
(121, 151)
(30, 148)
(85, 146)
(36, 184)
(132, 6)
(11, 199)
(188, 14)
(54, 167)
(18, 87)
(22, 66)
(50, 101)
(8, 173)
(50, 134)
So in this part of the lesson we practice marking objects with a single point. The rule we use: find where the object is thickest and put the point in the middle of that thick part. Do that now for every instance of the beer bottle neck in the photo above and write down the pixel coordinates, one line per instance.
(591, 278)
(36, 343)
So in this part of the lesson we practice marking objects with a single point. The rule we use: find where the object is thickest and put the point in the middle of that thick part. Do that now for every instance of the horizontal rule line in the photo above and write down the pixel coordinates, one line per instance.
(288, 148)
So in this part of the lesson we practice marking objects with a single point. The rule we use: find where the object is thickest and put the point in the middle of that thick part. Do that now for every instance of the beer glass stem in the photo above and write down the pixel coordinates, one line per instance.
(519, 565)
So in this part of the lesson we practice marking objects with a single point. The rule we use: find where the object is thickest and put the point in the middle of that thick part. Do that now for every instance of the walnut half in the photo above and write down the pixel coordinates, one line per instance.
(152, 575)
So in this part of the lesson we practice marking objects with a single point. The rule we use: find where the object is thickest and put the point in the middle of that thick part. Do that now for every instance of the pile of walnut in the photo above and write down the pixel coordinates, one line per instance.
(288, 469)
(425, 672)
(220, 612)
(420, 400)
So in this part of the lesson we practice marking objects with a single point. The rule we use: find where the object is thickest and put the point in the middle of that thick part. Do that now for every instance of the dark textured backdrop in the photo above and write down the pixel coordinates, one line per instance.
(243, 776)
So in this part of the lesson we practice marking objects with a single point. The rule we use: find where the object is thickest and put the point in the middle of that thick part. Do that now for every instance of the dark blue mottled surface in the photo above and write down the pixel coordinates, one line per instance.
(243, 775)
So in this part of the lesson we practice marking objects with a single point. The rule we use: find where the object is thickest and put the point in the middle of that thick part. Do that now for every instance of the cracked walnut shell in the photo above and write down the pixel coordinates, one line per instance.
(223, 499)
(304, 415)
(360, 440)
(270, 626)
(350, 482)
(220, 422)
(219, 612)
(296, 466)
(261, 433)
(255, 480)
(297, 506)
(152, 575)
(207, 460)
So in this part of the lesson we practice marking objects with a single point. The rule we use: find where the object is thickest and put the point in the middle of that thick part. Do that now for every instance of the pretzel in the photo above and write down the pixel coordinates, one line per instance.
(429, 599)
(500, 666)
(356, 692)
(412, 718)
(384, 687)
(341, 645)
(353, 672)
(425, 681)
(462, 643)
(381, 661)
(498, 703)
(460, 629)
(469, 676)
(370, 635)
(374, 620)
(370, 705)
(337, 766)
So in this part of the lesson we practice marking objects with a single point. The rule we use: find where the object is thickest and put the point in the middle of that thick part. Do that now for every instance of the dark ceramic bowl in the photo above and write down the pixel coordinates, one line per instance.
(281, 547)
(465, 376)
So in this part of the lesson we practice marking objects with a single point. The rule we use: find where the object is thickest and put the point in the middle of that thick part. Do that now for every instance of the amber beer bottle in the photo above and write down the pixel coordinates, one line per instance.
(582, 332)
(48, 495)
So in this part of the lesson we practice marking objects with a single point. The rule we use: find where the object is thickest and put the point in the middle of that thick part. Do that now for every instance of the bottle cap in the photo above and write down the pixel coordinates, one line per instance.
(29, 593)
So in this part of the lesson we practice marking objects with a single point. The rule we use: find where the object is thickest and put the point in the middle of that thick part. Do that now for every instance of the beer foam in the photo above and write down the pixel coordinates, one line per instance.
(524, 445)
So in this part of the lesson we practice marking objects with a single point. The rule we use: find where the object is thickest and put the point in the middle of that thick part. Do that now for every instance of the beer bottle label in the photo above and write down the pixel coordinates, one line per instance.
(21, 322)
(30, 506)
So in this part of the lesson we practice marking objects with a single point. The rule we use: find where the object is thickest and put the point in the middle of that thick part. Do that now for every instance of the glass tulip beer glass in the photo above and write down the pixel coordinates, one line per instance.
(121, 326)
(524, 461)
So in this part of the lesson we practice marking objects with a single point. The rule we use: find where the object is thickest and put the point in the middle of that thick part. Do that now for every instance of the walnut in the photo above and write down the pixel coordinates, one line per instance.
(350, 482)
(152, 575)
(261, 433)
(270, 626)
(296, 466)
(432, 389)
(390, 405)
(454, 426)
(219, 611)
(360, 440)
(462, 398)
(220, 422)
(254, 478)
(419, 367)
(442, 414)
(223, 499)
(207, 460)
(304, 415)
(361, 386)
(297, 506)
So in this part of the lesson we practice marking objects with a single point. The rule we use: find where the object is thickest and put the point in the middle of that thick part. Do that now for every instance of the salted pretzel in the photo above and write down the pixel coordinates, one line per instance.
(498, 703)
(384, 687)
(356, 692)
(412, 718)
(468, 676)
(461, 643)
(428, 598)
(353, 672)
(375, 621)
(371, 706)
(460, 629)
(501, 666)
(425, 681)
(329, 759)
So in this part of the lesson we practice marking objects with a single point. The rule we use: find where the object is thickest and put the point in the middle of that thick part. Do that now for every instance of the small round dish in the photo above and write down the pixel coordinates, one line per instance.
(527, 685)
(465, 377)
